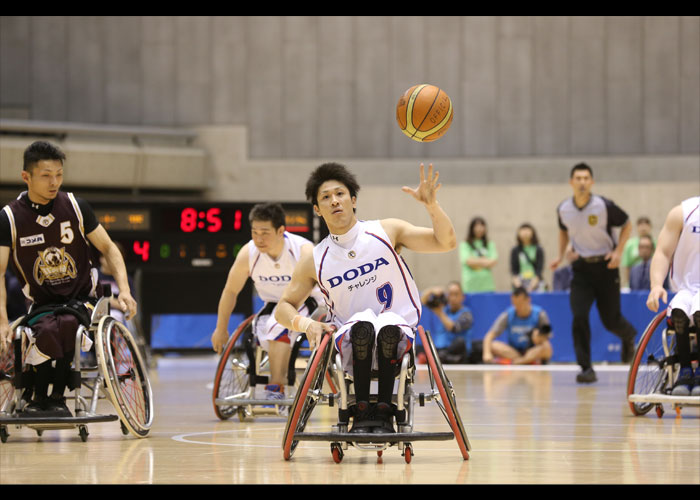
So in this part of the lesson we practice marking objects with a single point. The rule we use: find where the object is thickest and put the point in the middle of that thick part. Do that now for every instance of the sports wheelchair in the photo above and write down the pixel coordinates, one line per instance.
(113, 369)
(244, 366)
(311, 392)
(655, 368)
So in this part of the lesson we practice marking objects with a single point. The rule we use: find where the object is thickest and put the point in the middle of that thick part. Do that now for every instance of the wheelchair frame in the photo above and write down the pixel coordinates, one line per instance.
(120, 376)
(654, 370)
(311, 393)
(238, 396)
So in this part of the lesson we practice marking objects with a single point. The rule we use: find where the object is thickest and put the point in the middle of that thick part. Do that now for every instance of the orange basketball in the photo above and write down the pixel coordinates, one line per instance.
(424, 113)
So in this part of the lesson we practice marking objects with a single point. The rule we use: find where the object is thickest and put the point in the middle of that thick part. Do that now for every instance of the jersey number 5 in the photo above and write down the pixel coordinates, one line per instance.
(66, 233)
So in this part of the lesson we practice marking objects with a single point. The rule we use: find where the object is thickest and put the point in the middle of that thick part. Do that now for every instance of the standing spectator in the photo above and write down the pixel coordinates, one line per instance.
(630, 254)
(452, 337)
(527, 260)
(586, 220)
(639, 274)
(477, 256)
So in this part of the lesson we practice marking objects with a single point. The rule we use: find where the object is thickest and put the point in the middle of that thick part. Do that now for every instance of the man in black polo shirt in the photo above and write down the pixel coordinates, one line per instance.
(587, 220)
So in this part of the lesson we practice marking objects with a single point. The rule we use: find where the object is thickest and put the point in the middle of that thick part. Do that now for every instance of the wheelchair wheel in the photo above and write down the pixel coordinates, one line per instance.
(232, 376)
(648, 371)
(7, 373)
(447, 402)
(125, 376)
(308, 394)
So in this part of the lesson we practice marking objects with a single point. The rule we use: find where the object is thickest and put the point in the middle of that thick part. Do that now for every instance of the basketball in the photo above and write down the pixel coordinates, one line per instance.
(424, 113)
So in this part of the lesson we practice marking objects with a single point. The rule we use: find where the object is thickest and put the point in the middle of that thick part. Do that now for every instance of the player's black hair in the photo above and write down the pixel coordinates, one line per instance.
(520, 291)
(330, 172)
(580, 166)
(41, 150)
(272, 212)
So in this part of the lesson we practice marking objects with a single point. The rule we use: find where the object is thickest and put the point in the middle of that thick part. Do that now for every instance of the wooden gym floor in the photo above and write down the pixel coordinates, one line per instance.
(528, 425)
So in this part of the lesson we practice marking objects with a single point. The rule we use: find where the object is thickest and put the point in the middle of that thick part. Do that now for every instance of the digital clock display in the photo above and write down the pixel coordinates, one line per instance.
(205, 219)
(193, 235)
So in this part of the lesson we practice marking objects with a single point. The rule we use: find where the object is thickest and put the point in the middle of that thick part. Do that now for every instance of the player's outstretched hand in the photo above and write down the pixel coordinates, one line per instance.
(426, 192)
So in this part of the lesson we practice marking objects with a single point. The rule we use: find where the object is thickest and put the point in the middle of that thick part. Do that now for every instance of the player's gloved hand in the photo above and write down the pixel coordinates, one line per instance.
(315, 332)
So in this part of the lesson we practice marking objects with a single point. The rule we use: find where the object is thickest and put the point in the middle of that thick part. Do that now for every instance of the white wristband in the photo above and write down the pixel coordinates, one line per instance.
(301, 323)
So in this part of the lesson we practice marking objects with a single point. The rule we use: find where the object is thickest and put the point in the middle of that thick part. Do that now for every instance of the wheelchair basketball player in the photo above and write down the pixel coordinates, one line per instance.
(268, 259)
(678, 249)
(371, 295)
(48, 234)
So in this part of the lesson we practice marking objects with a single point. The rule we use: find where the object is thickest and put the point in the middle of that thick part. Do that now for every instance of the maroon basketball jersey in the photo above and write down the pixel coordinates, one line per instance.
(51, 252)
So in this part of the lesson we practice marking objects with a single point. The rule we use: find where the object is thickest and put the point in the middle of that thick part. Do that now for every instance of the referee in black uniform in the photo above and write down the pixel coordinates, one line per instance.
(587, 220)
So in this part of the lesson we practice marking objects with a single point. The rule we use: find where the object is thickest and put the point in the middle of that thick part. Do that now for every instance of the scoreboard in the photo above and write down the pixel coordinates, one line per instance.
(182, 253)
(190, 235)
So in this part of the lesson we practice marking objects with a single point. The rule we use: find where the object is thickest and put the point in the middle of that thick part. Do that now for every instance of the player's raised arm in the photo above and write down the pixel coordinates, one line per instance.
(299, 288)
(441, 237)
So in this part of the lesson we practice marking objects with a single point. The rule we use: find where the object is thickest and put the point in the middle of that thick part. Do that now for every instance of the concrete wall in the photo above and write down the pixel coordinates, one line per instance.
(312, 86)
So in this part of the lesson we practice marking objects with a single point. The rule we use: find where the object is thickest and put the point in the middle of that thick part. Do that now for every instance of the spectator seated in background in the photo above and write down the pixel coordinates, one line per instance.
(528, 330)
(452, 336)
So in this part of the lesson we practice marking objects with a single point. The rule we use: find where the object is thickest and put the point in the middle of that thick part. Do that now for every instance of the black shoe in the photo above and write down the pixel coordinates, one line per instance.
(35, 408)
(627, 350)
(362, 415)
(587, 376)
(57, 407)
(384, 413)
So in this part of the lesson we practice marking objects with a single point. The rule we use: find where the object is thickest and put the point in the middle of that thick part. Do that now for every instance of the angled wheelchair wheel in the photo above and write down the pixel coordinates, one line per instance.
(7, 373)
(649, 370)
(126, 378)
(232, 373)
(308, 394)
(8, 369)
(447, 402)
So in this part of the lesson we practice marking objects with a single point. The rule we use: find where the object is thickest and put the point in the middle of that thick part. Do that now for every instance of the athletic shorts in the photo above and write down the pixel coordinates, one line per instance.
(52, 336)
(267, 329)
(686, 300)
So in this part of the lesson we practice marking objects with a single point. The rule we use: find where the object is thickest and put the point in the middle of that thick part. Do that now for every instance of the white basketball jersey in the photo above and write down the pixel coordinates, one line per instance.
(272, 276)
(685, 270)
(365, 272)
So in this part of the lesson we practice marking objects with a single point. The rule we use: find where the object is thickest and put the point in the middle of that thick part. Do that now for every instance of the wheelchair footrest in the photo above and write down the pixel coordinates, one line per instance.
(664, 398)
(48, 420)
(397, 437)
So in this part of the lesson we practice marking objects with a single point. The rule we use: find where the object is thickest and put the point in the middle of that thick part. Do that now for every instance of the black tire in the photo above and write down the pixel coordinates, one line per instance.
(126, 376)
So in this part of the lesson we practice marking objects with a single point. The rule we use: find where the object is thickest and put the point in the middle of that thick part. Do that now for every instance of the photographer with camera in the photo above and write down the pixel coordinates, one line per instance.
(528, 330)
(452, 337)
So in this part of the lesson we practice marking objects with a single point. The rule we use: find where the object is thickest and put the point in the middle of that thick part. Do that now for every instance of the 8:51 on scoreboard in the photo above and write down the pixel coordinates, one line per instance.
(189, 235)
